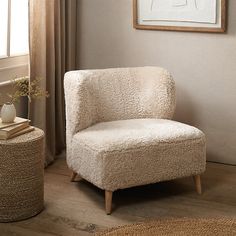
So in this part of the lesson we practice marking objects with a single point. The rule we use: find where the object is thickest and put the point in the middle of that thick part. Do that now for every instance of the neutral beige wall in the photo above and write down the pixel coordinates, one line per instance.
(203, 65)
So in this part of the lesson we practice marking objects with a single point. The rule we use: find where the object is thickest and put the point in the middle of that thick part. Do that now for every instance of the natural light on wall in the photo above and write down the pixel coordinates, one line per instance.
(13, 28)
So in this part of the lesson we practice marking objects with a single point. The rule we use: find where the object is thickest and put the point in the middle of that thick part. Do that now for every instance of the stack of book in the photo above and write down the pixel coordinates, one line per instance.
(18, 127)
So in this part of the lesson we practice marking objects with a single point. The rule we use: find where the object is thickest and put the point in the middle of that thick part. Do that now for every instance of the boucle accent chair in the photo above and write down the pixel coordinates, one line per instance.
(120, 133)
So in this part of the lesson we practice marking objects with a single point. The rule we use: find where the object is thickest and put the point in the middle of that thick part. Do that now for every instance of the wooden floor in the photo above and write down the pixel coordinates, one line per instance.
(78, 208)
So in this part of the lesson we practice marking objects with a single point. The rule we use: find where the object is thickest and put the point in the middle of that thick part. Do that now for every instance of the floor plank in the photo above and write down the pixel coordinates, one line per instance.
(78, 208)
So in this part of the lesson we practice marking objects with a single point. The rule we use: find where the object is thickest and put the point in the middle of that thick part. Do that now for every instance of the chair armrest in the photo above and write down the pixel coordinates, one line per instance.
(80, 109)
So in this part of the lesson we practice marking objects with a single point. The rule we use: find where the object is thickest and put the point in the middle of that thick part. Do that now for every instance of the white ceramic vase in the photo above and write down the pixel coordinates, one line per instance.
(8, 113)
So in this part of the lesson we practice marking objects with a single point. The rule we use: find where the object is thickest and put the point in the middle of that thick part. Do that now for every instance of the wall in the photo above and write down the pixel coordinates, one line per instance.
(11, 68)
(203, 65)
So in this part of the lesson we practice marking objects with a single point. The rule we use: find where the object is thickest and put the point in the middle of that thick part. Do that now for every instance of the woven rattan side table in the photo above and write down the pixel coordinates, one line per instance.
(21, 176)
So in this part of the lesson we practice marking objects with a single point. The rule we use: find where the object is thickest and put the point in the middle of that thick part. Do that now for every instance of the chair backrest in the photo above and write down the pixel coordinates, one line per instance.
(119, 94)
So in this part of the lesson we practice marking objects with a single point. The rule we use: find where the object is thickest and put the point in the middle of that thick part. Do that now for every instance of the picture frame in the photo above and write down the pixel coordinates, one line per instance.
(210, 20)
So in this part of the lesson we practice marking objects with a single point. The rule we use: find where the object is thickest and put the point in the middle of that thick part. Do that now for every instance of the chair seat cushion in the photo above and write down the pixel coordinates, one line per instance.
(128, 134)
(112, 154)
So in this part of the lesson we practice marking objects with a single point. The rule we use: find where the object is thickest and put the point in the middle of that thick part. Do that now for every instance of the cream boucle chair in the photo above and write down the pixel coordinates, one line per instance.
(119, 132)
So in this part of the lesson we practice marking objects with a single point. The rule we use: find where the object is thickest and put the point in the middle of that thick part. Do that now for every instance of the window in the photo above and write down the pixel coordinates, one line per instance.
(13, 28)
(14, 35)
(3, 27)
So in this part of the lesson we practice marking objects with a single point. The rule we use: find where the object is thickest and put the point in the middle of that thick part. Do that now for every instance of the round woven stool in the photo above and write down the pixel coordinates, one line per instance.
(21, 176)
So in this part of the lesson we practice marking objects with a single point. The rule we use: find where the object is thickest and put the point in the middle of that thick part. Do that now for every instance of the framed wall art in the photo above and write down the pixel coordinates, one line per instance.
(180, 15)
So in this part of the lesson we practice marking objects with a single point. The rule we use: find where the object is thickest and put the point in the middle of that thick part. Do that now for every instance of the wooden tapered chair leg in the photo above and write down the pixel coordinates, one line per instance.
(197, 181)
(108, 201)
(73, 176)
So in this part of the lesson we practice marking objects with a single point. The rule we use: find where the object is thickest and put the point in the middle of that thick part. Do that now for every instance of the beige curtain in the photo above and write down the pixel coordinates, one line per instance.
(52, 53)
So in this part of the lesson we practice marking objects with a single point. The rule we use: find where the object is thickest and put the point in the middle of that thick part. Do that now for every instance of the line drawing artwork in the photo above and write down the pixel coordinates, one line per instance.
(181, 13)
(194, 4)
(201, 11)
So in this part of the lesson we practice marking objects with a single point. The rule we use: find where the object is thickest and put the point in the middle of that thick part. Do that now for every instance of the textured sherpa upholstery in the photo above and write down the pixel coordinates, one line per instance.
(119, 132)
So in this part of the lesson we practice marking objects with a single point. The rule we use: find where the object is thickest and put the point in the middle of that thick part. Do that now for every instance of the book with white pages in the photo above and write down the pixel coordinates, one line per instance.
(23, 131)
(5, 133)
(17, 121)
